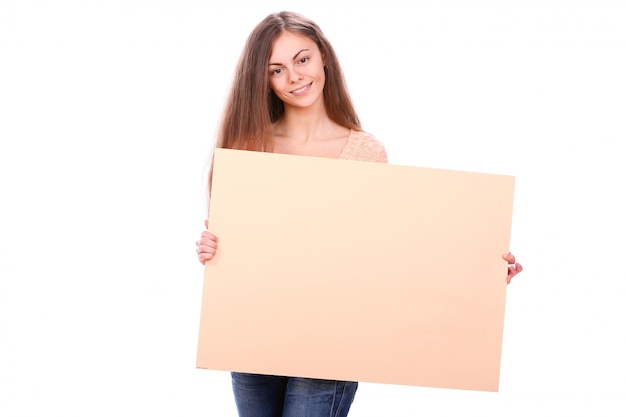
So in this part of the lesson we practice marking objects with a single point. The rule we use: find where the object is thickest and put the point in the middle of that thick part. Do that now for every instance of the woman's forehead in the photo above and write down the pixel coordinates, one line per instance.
(288, 44)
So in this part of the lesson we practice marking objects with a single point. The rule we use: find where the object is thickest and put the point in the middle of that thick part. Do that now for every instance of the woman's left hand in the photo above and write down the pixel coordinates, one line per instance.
(514, 267)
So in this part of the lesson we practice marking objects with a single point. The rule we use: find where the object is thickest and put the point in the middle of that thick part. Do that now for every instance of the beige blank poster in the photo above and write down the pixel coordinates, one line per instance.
(358, 271)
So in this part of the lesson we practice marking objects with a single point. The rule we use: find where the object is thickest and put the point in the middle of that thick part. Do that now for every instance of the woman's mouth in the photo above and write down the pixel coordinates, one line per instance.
(302, 90)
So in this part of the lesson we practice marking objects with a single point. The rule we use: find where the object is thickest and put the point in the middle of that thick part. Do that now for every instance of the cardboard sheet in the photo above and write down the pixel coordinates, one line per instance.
(356, 271)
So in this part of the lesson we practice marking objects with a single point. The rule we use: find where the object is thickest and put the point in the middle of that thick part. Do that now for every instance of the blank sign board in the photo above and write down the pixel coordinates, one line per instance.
(357, 271)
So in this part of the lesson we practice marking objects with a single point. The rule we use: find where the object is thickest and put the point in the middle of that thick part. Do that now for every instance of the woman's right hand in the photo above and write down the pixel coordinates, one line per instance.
(207, 245)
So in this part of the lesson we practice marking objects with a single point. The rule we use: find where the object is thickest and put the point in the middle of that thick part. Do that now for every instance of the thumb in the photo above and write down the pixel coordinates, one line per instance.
(206, 224)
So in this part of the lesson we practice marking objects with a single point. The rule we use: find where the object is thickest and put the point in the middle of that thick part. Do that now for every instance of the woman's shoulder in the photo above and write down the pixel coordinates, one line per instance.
(362, 146)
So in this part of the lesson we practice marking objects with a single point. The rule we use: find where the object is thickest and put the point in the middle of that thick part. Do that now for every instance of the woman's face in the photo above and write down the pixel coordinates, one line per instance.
(296, 70)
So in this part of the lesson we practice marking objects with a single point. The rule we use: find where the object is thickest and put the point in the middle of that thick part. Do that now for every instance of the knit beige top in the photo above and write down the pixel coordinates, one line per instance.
(362, 146)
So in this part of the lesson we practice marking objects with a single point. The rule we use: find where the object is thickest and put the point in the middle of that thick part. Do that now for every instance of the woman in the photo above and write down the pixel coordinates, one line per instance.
(289, 96)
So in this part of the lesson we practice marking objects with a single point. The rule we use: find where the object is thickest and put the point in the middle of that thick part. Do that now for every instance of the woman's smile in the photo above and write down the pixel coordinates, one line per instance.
(302, 90)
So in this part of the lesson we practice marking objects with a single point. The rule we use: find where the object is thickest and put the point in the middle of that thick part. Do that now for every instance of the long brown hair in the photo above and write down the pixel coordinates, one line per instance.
(252, 107)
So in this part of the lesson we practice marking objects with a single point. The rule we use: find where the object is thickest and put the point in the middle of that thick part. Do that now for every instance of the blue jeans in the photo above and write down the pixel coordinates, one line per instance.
(279, 396)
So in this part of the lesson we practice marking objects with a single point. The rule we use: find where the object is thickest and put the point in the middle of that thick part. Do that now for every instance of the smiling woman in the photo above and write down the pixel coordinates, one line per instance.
(288, 85)
(297, 80)
(289, 96)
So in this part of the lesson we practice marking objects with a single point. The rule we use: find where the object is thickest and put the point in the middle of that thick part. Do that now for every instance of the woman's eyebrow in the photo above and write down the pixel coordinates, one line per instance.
(294, 57)
(299, 52)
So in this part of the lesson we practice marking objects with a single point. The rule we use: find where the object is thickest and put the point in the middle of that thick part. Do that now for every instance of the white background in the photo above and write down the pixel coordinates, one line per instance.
(108, 112)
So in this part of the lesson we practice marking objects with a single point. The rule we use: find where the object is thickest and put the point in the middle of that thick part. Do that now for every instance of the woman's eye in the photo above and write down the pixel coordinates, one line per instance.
(277, 71)
(303, 60)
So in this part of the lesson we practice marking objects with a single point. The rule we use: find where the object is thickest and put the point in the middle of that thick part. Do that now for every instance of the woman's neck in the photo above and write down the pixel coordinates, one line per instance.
(309, 133)
(304, 124)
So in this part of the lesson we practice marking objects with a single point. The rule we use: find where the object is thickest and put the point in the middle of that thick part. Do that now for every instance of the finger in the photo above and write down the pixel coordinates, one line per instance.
(509, 258)
(206, 242)
(204, 257)
(206, 224)
(208, 235)
(509, 276)
(513, 270)
(206, 249)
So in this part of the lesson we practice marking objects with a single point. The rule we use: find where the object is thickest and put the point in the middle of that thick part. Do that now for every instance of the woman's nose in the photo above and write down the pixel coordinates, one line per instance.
(295, 77)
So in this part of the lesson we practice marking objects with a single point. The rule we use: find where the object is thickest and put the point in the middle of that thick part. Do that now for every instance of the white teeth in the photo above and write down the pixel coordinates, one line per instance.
(301, 89)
